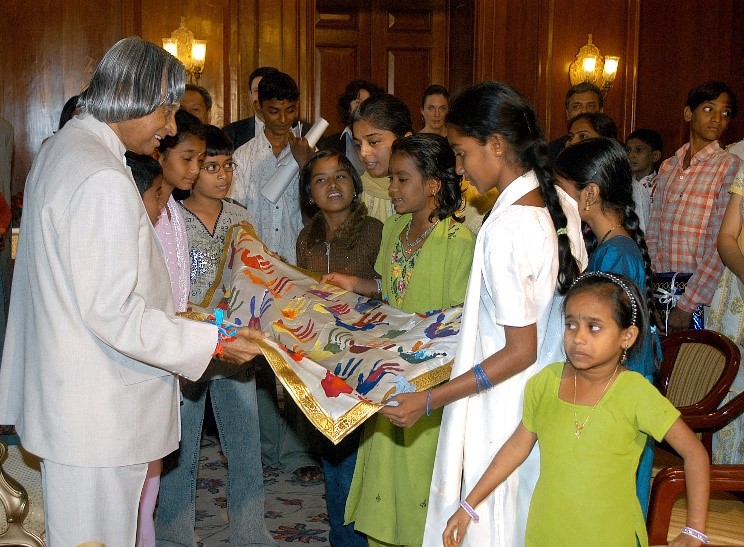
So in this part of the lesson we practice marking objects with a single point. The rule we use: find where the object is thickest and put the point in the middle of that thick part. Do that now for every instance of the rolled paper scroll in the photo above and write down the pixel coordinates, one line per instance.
(277, 184)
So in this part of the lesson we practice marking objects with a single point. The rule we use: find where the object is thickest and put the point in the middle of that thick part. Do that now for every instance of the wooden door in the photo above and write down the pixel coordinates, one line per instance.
(399, 44)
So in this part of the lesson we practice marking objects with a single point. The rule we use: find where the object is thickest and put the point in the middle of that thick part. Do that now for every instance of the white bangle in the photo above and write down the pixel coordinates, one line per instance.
(379, 285)
(469, 510)
(696, 534)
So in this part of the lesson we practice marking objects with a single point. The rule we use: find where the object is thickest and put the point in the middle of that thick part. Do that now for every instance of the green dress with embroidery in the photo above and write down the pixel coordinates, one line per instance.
(390, 490)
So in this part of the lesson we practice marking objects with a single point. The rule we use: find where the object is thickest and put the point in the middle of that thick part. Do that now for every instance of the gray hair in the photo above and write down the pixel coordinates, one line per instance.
(128, 82)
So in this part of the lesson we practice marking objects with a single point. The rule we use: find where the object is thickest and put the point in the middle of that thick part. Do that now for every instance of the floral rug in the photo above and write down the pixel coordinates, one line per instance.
(295, 512)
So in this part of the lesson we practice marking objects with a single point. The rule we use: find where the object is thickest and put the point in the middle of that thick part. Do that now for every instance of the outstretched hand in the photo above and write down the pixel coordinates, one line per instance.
(346, 282)
(411, 406)
(243, 347)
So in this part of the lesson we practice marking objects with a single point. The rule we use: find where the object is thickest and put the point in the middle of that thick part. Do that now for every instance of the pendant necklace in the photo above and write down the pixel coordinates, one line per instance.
(419, 239)
(580, 428)
(608, 232)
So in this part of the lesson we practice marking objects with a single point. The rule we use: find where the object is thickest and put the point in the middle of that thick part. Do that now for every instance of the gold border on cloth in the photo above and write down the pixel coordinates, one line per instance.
(354, 417)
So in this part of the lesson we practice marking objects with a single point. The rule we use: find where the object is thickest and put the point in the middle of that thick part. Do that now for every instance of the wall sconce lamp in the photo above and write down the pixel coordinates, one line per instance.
(190, 52)
(590, 66)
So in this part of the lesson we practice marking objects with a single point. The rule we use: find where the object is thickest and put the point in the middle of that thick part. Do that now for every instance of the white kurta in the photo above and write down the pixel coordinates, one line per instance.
(512, 283)
(92, 340)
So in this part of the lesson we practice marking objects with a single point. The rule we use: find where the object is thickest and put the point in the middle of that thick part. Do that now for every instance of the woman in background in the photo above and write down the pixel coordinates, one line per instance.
(434, 108)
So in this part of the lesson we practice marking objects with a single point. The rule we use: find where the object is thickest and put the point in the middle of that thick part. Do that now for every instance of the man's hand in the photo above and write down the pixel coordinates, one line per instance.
(243, 348)
(301, 149)
(678, 320)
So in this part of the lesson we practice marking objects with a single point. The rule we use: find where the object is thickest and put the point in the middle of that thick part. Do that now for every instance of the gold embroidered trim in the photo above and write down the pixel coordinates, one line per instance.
(354, 417)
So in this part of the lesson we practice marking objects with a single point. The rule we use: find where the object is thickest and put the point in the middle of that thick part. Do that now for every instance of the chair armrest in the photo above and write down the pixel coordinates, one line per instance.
(669, 484)
(718, 418)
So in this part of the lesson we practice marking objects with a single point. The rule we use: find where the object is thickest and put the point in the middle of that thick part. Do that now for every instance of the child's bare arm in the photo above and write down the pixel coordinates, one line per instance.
(359, 285)
(510, 456)
(697, 477)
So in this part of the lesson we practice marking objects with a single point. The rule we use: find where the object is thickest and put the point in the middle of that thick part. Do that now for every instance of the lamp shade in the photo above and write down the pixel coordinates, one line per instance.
(198, 54)
(590, 66)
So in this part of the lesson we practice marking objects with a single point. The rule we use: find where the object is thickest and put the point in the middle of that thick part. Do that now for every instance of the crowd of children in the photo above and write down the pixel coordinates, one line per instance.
(493, 456)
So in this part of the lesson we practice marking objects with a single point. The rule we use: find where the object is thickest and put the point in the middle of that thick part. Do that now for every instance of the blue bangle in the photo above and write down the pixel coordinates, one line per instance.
(428, 400)
(482, 381)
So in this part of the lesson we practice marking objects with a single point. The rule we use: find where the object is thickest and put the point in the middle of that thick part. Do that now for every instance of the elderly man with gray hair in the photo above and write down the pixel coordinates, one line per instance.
(93, 349)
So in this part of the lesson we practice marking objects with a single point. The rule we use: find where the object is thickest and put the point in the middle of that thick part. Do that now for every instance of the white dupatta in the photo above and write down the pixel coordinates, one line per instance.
(468, 440)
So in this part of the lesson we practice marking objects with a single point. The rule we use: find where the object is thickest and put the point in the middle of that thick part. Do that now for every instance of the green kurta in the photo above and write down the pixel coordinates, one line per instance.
(586, 491)
(390, 490)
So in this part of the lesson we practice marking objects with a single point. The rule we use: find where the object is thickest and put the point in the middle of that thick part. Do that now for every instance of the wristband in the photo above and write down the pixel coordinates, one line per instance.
(469, 510)
(225, 333)
(379, 285)
(696, 534)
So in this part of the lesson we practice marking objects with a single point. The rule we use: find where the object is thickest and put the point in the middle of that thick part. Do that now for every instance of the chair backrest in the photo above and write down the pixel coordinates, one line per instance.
(698, 369)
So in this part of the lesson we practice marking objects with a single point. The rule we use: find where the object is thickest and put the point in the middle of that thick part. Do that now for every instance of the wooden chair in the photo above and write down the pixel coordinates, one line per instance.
(15, 500)
(723, 520)
(696, 375)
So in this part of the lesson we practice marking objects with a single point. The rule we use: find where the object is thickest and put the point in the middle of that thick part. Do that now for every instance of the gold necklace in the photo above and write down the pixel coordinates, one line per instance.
(608, 232)
(580, 428)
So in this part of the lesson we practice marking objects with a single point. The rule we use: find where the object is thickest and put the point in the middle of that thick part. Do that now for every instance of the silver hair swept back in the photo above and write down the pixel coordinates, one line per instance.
(128, 82)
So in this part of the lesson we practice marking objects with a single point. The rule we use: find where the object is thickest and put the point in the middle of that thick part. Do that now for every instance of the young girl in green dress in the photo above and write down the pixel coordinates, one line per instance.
(592, 417)
(423, 264)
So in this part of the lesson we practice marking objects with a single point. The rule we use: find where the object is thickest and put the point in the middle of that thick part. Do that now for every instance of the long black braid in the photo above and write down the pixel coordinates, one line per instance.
(605, 163)
(490, 108)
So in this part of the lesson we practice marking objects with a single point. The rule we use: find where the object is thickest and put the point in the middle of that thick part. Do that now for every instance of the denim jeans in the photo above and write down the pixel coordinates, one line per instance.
(288, 439)
(338, 467)
(236, 415)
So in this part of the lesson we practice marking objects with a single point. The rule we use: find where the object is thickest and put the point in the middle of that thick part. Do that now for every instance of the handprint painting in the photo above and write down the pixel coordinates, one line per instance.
(338, 355)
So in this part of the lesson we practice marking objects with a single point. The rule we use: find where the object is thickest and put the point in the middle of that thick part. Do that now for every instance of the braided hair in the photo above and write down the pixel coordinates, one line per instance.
(605, 163)
(490, 108)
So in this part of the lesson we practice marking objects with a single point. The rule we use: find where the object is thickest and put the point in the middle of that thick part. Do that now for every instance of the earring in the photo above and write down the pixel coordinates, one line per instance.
(311, 201)
(586, 207)
(624, 356)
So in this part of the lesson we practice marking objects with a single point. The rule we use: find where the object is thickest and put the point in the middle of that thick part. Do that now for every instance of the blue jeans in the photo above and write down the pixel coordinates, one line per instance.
(236, 415)
(288, 439)
(338, 467)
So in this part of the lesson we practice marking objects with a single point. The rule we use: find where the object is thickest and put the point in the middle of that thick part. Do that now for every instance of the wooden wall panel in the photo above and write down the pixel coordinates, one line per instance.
(508, 50)
(335, 66)
(212, 25)
(268, 33)
(529, 45)
(54, 46)
(405, 83)
(49, 52)
(680, 48)
(461, 44)
(572, 21)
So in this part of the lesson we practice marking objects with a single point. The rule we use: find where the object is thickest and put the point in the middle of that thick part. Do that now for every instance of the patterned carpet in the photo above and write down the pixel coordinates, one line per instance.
(295, 511)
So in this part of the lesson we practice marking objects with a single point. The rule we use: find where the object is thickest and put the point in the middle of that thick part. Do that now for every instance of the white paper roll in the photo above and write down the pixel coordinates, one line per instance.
(277, 184)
